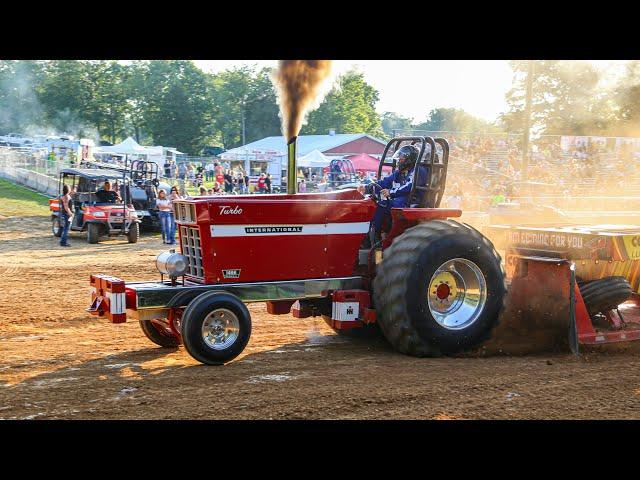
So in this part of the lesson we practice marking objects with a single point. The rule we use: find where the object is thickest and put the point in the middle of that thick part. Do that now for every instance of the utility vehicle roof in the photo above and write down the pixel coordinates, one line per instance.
(93, 173)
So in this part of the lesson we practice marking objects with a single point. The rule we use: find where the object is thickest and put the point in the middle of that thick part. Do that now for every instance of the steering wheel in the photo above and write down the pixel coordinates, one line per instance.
(375, 195)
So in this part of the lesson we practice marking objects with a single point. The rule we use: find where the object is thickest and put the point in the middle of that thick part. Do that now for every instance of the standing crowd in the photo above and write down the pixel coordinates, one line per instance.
(221, 180)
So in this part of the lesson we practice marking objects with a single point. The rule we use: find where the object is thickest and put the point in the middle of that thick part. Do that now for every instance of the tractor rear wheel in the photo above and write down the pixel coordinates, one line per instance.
(216, 327)
(56, 228)
(134, 233)
(605, 294)
(93, 233)
(439, 289)
(159, 335)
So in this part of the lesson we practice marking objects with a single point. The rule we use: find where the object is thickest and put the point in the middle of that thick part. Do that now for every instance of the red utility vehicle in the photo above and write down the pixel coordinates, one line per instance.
(97, 212)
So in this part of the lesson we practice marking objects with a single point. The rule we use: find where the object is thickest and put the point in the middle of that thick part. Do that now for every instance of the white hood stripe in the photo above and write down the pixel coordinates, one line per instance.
(289, 229)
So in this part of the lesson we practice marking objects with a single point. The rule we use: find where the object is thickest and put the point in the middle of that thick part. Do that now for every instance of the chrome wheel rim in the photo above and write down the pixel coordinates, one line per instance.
(220, 329)
(457, 294)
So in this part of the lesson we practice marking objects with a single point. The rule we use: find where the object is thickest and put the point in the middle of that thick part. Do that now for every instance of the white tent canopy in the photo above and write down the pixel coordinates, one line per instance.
(127, 147)
(314, 159)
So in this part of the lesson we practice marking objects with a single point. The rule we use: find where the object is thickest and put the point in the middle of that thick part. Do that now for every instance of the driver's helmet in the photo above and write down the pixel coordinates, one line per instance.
(406, 156)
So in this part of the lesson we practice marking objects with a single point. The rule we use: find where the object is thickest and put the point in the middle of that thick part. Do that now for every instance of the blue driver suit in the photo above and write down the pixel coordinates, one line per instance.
(399, 186)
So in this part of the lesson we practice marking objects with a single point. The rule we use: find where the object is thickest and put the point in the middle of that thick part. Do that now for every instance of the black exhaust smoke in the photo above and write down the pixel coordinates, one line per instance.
(298, 84)
(292, 174)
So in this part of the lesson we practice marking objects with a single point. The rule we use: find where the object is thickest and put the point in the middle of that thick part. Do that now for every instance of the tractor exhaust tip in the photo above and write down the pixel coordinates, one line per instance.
(292, 177)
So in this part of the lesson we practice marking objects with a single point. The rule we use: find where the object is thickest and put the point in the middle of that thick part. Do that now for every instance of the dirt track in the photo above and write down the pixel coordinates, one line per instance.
(56, 361)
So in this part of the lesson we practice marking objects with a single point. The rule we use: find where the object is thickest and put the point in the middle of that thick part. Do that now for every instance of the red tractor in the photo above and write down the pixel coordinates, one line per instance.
(97, 212)
(432, 285)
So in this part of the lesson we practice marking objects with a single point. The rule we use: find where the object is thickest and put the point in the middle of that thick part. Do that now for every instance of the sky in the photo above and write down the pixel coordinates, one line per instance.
(413, 87)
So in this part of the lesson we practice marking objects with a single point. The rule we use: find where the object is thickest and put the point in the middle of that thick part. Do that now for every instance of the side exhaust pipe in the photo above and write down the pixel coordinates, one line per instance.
(292, 174)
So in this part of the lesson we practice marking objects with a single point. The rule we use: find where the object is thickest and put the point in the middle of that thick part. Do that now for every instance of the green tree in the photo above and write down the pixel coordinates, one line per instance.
(392, 121)
(566, 99)
(455, 120)
(348, 108)
(244, 96)
(176, 104)
(626, 99)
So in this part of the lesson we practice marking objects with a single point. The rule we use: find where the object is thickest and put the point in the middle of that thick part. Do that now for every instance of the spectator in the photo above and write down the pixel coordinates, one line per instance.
(228, 182)
(209, 172)
(267, 182)
(182, 171)
(203, 191)
(66, 215)
(302, 187)
(262, 185)
(173, 196)
(165, 211)
(246, 182)
(241, 183)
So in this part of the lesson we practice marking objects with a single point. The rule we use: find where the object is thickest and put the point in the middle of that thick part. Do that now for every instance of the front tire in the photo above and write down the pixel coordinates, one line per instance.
(439, 289)
(56, 228)
(158, 335)
(216, 327)
(93, 233)
(134, 233)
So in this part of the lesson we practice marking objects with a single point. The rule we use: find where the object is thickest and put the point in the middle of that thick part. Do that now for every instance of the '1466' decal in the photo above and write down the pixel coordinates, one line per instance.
(233, 273)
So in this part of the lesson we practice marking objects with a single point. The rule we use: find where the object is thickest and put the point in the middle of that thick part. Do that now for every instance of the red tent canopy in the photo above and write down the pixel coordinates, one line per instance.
(366, 163)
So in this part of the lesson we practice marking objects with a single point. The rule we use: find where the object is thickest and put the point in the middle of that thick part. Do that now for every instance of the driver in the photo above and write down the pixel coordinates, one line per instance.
(106, 194)
(394, 190)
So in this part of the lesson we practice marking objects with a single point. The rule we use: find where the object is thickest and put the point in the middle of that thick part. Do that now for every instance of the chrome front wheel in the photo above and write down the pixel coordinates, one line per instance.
(220, 329)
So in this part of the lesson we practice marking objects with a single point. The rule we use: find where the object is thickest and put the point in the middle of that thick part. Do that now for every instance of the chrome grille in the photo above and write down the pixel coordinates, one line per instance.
(192, 249)
(184, 212)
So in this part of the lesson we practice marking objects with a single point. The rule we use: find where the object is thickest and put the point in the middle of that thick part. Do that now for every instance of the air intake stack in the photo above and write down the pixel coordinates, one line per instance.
(292, 173)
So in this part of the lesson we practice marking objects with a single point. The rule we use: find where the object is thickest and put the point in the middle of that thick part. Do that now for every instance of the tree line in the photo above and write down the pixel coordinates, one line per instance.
(167, 102)
(174, 103)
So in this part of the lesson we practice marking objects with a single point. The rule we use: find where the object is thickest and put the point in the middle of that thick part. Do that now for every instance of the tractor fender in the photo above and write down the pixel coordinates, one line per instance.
(184, 298)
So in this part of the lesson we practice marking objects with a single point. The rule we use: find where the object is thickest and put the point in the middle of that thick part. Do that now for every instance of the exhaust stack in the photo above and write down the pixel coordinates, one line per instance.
(292, 171)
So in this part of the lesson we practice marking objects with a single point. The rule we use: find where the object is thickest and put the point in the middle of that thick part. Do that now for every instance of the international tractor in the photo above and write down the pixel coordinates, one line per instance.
(432, 285)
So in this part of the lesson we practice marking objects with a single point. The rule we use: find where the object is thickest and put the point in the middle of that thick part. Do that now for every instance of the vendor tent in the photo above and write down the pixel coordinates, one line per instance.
(127, 147)
(366, 163)
(313, 159)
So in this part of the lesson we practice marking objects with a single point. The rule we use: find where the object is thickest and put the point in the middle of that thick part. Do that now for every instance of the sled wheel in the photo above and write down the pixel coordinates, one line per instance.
(93, 233)
(134, 232)
(56, 228)
(159, 335)
(605, 294)
(439, 289)
(216, 327)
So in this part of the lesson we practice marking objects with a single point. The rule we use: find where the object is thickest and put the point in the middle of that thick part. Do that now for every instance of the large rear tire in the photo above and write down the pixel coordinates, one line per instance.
(216, 327)
(159, 335)
(439, 290)
(605, 294)
(93, 233)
